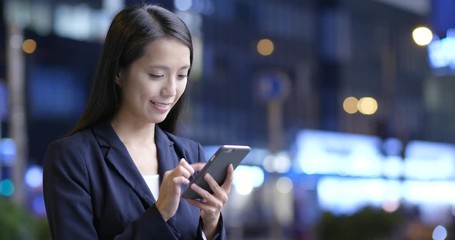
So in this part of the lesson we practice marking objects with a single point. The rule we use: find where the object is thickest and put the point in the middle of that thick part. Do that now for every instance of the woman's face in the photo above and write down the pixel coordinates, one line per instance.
(153, 83)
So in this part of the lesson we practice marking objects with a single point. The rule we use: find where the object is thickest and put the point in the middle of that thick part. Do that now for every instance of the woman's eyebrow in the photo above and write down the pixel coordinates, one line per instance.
(166, 67)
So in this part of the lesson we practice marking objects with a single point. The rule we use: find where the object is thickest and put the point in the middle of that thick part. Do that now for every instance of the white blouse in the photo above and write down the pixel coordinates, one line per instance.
(153, 182)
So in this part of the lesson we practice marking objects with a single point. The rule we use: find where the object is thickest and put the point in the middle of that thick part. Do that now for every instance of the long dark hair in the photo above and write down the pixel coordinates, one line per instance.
(130, 32)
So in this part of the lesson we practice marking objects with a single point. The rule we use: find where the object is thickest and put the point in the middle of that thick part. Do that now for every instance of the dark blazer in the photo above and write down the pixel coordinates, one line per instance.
(93, 190)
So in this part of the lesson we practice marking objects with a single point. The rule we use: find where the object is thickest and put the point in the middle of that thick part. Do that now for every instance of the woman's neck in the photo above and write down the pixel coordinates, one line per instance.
(133, 132)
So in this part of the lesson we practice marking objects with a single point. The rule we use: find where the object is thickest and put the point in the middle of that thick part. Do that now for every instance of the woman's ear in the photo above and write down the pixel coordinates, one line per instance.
(117, 79)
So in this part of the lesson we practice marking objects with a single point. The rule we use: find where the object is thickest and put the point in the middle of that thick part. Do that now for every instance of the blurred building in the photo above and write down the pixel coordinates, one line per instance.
(322, 52)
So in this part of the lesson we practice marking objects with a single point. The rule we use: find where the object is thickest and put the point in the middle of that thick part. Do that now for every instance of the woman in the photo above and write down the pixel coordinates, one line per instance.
(119, 173)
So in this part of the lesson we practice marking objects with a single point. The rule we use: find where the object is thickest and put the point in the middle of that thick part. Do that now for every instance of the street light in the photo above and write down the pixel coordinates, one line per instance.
(422, 36)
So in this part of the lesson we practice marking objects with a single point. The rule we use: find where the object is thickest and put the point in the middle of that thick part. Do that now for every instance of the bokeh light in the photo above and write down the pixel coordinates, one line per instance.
(6, 187)
(34, 176)
(279, 162)
(8, 151)
(29, 46)
(439, 233)
(390, 206)
(350, 105)
(38, 205)
(15, 41)
(367, 105)
(422, 36)
(284, 185)
(265, 47)
(183, 5)
(246, 178)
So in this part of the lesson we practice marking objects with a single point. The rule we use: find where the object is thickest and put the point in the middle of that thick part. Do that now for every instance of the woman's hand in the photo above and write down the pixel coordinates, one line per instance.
(212, 204)
(168, 200)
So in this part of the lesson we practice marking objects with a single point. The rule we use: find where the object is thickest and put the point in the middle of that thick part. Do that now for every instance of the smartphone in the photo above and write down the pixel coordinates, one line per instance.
(217, 166)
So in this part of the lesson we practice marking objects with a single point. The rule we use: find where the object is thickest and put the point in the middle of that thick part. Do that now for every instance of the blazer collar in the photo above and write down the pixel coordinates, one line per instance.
(117, 155)
(167, 156)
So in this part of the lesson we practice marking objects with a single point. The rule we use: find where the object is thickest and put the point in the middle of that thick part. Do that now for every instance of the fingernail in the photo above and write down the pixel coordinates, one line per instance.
(194, 186)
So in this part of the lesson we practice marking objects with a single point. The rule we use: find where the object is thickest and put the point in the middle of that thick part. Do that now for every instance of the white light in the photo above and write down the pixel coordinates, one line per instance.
(279, 162)
(112, 6)
(183, 5)
(429, 160)
(244, 189)
(246, 178)
(391, 206)
(34, 177)
(431, 192)
(346, 196)
(284, 185)
(16, 41)
(81, 22)
(393, 167)
(326, 152)
(422, 36)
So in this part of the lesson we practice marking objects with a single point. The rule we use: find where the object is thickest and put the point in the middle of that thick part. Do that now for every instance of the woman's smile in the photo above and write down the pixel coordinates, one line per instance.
(162, 107)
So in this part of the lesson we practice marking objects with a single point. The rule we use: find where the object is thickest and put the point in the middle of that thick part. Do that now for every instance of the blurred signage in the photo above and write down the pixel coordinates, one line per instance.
(272, 85)
(355, 155)
(333, 153)
(353, 172)
(429, 161)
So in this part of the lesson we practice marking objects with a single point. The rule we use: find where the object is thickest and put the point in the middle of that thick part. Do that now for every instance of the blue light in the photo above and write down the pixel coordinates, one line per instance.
(3, 101)
(439, 233)
(441, 52)
(183, 5)
(6, 187)
(38, 205)
(34, 176)
(7, 151)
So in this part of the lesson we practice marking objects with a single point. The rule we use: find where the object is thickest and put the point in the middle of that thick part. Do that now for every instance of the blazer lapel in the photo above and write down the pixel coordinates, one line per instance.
(117, 155)
(167, 156)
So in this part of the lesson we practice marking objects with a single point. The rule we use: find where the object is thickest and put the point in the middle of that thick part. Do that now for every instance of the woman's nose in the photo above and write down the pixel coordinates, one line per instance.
(170, 87)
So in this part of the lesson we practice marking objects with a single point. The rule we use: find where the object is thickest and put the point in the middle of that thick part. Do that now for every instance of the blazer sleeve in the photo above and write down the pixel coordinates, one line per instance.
(69, 205)
(67, 194)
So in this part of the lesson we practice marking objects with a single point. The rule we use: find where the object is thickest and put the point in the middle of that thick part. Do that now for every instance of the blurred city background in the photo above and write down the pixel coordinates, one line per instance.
(348, 106)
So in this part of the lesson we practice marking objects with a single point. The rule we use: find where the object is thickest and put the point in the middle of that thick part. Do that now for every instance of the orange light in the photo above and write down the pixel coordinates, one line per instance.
(350, 105)
(265, 47)
(29, 46)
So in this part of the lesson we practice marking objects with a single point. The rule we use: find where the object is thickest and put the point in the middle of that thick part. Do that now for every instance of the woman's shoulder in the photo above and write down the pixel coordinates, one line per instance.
(74, 139)
(75, 143)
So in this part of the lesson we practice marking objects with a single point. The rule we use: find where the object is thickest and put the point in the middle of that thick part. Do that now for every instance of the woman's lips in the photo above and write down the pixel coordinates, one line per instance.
(161, 107)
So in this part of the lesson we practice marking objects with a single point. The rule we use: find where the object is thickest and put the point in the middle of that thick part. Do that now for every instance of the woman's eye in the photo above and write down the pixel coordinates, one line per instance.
(156, 75)
(182, 76)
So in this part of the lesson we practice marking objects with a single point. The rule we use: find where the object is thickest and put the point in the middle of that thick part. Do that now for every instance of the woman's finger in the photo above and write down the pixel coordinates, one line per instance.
(197, 166)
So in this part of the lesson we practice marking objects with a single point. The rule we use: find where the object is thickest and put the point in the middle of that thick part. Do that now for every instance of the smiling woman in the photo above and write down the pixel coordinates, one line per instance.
(153, 84)
(118, 174)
